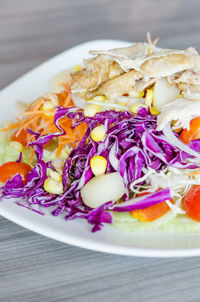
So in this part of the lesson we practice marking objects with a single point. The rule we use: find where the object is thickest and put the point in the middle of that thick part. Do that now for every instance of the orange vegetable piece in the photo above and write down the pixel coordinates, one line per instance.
(20, 136)
(191, 203)
(151, 213)
(193, 133)
(10, 169)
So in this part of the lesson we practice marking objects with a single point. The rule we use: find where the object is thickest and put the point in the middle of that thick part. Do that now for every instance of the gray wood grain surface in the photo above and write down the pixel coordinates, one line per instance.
(35, 268)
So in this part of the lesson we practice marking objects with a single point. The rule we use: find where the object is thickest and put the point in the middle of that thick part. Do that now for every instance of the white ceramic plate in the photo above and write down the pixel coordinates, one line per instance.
(110, 240)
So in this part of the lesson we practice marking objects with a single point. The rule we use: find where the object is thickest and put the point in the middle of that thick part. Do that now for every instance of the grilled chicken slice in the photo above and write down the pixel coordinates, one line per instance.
(99, 70)
(118, 86)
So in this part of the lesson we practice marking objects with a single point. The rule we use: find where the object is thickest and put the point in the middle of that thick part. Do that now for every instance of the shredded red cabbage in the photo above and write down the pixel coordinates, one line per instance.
(131, 143)
(144, 201)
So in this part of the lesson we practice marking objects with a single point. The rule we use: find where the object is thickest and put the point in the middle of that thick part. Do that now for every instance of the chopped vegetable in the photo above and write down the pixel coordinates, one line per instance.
(98, 133)
(193, 133)
(191, 203)
(135, 107)
(164, 93)
(16, 145)
(10, 169)
(143, 202)
(103, 188)
(151, 213)
(149, 97)
(91, 109)
(98, 165)
(51, 185)
(20, 136)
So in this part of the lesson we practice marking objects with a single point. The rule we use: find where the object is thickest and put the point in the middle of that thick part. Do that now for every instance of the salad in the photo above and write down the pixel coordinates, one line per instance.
(116, 141)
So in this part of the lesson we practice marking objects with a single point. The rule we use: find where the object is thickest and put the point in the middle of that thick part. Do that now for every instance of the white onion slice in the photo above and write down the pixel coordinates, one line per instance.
(79, 101)
(177, 142)
(109, 105)
(113, 159)
(164, 93)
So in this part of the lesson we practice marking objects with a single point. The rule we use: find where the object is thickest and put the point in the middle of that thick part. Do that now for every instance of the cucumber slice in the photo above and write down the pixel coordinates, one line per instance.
(125, 222)
(10, 154)
(168, 223)
(181, 224)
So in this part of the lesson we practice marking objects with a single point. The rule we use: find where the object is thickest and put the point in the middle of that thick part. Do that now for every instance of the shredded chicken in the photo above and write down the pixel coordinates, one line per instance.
(118, 71)
(190, 92)
(143, 57)
(188, 77)
(181, 110)
(99, 70)
(144, 83)
(118, 86)
(168, 64)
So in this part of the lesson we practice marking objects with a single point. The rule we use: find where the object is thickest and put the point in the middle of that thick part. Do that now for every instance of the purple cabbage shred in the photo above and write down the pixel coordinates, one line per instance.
(131, 144)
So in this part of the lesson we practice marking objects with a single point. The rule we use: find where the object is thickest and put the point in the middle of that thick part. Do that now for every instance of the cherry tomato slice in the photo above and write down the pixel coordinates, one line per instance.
(193, 133)
(151, 213)
(10, 169)
(191, 203)
(22, 137)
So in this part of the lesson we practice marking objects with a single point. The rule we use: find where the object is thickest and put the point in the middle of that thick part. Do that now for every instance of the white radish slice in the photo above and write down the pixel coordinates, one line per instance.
(59, 79)
(164, 93)
(103, 188)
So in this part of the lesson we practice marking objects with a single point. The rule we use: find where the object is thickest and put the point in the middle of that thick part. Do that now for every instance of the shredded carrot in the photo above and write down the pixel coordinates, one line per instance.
(10, 127)
(71, 136)
(60, 147)
(38, 103)
(64, 97)
(31, 113)
(40, 122)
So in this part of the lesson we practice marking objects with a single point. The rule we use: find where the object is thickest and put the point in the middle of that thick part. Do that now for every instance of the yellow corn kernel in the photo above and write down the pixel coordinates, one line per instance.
(149, 97)
(135, 94)
(99, 98)
(135, 107)
(77, 68)
(53, 186)
(154, 111)
(138, 214)
(98, 133)
(98, 165)
(91, 109)
(16, 145)
(53, 174)
(48, 106)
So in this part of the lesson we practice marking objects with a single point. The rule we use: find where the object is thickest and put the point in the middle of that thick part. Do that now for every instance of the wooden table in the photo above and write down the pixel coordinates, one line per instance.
(35, 268)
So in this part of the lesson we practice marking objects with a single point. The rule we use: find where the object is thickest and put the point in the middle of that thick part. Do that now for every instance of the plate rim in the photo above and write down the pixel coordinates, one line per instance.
(73, 48)
(104, 247)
